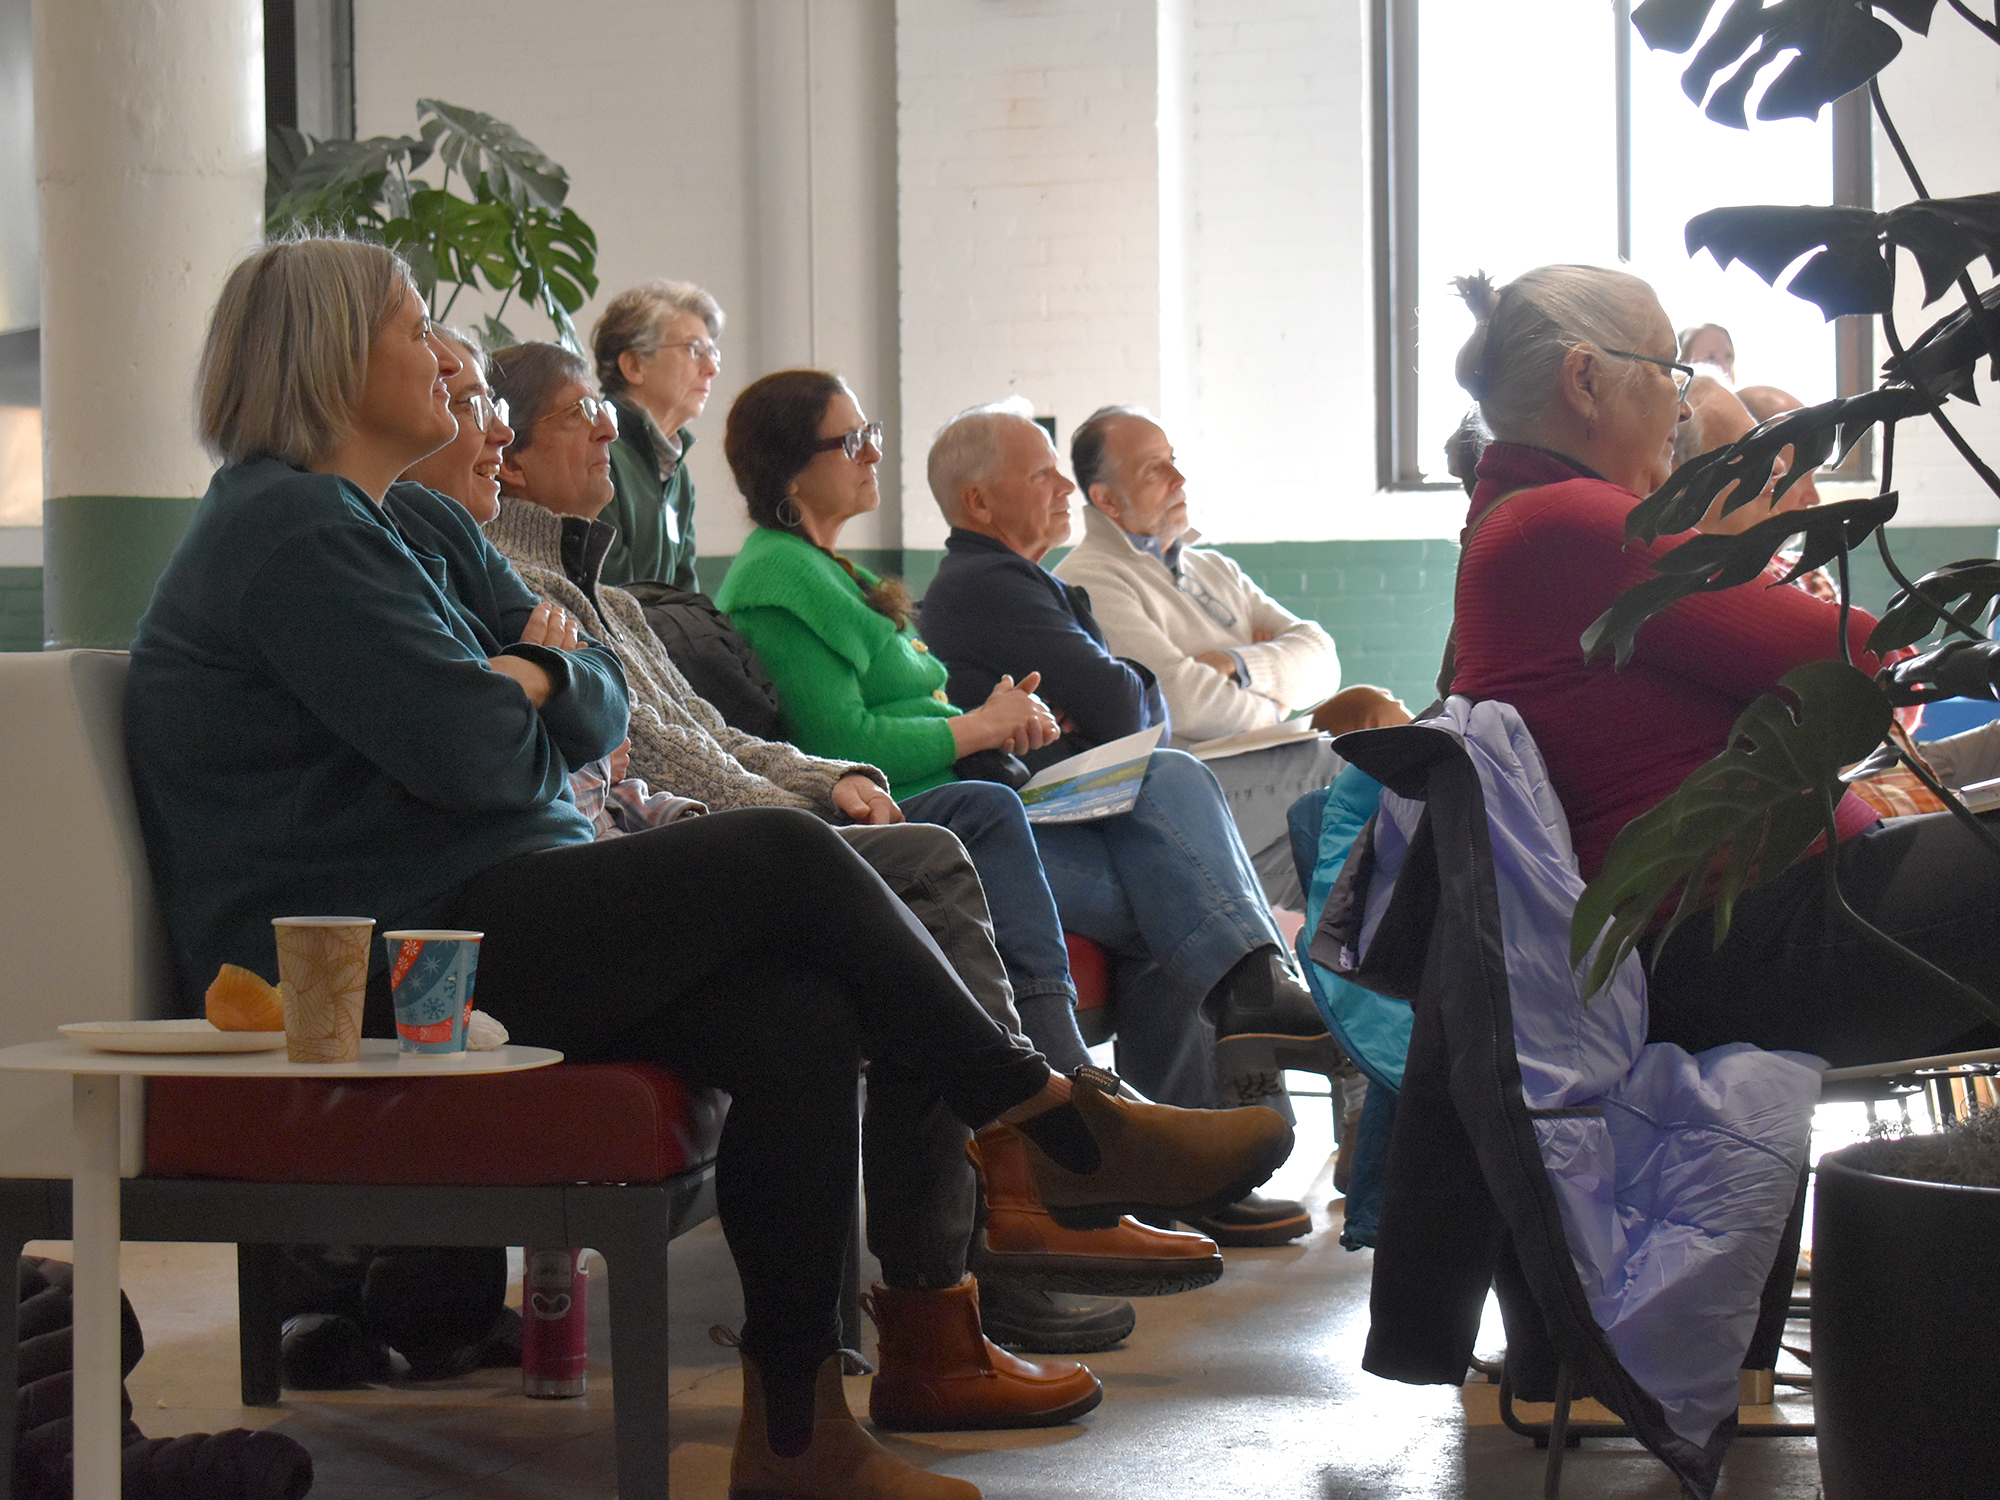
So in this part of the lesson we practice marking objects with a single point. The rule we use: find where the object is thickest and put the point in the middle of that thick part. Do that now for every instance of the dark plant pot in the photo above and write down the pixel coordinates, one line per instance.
(1905, 1296)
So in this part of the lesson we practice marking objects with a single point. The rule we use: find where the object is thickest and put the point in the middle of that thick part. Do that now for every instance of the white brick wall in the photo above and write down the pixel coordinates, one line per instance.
(1944, 95)
(1162, 203)
(1281, 438)
(1028, 213)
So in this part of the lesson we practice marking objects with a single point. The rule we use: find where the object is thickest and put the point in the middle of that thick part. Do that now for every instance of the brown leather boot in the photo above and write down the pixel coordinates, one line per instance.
(1020, 1237)
(1151, 1159)
(842, 1462)
(940, 1374)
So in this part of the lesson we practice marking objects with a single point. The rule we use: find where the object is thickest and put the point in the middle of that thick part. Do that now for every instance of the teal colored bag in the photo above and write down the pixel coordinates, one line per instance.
(1374, 1029)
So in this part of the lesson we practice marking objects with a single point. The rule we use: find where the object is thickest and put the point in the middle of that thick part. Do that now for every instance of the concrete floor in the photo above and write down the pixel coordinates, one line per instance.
(1251, 1387)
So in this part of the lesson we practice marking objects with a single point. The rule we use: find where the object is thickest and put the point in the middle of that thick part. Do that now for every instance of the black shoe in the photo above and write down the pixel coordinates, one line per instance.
(498, 1349)
(1255, 1221)
(1019, 1317)
(327, 1352)
(1266, 1021)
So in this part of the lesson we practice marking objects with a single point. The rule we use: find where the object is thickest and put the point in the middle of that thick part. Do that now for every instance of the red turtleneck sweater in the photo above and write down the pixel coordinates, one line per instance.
(1548, 562)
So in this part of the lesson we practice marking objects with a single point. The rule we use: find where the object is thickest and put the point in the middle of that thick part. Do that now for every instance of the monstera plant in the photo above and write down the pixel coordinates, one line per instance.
(509, 228)
(1761, 803)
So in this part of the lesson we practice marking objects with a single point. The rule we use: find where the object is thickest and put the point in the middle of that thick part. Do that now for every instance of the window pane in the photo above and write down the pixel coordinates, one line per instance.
(1683, 163)
(1516, 167)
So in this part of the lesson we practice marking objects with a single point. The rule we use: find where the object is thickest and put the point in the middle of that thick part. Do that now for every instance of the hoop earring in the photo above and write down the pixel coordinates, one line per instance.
(793, 521)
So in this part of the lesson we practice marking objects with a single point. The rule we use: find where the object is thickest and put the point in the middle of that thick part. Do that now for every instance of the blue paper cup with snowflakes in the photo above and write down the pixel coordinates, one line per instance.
(430, 978)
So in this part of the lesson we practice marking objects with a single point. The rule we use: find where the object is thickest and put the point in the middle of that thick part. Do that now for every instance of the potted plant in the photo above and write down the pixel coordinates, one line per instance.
(510, 228)
(1906, 1262)
(1900, 1266)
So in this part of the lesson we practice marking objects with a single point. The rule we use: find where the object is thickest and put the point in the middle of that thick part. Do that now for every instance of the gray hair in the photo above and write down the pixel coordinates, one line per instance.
(1087, 463)
(527, 377)
(469, 343)
(1526, 330)
(285, 361)
(635, 321)
(966, 449)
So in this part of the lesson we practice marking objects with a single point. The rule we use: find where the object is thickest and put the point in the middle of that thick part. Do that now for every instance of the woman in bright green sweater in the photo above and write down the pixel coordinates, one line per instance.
(1167, 887)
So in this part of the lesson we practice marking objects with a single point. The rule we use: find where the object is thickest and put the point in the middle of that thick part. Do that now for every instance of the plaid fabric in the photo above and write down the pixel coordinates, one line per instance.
(627, 805)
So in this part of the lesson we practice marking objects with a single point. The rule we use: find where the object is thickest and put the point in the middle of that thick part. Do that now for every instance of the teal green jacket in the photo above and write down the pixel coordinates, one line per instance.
(852, 686)
(312, 727)
(654, 517)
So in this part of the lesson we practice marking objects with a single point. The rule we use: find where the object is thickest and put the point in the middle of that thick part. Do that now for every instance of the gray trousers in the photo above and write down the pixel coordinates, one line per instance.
(1260, 787)
(920, 1222)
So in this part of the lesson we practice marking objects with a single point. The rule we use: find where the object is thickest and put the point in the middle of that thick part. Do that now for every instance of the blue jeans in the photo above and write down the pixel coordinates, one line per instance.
(1166, 889)
(990, 821)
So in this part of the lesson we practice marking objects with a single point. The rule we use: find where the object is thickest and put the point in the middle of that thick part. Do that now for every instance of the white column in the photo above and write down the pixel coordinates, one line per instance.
(149, 128)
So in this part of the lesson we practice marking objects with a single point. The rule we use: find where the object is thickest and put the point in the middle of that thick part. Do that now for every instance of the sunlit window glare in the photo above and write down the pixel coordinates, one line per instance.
(1517, 168)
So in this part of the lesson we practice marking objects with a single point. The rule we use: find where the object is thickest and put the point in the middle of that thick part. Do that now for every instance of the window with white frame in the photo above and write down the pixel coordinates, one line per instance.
(1508, 137)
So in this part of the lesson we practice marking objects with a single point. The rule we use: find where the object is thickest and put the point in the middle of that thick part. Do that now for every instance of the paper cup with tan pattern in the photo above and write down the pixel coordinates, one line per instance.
(323, 980)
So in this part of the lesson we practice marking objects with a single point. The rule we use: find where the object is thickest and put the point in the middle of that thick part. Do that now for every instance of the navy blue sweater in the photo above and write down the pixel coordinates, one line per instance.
(990, 612)
(312, 726)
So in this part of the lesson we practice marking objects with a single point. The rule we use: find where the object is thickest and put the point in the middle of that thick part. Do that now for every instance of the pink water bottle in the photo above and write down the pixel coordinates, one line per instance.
(555, 1333)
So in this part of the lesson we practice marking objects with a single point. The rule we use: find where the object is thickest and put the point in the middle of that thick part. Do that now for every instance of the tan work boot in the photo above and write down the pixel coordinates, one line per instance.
(842, 1462)
(1153, 1159)
(1021, 1239)
(939, 1373)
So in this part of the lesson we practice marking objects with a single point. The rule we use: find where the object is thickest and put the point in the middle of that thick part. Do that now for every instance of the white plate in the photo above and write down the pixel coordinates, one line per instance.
(168, 1036)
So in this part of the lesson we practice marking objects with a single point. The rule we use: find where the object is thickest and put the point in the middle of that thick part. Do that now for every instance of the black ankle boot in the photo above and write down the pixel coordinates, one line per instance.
(1266, 1021)
(1022, 1317)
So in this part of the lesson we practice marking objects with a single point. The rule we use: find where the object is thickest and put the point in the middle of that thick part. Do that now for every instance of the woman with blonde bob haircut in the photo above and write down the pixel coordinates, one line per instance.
(276, 385)
(319, 720)
(1576, 375)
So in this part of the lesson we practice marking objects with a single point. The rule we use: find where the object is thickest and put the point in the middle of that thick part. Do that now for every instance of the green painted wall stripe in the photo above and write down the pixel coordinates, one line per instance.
(20, 609)
(101, 555)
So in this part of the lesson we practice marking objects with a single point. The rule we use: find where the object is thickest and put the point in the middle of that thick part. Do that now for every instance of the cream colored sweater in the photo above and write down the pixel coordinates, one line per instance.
(1152, 619)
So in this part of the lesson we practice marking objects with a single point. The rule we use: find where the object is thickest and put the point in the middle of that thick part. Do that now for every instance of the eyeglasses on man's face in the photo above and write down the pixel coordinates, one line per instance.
(1683, 374)
(482, 411)
(594, 409)
(853, 443)
(699, 350)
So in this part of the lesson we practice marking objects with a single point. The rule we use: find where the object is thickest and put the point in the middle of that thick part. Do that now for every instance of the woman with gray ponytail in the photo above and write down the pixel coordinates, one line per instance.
(1575, 372)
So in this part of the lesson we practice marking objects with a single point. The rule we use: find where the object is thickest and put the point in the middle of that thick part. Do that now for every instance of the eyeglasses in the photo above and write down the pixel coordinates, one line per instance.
(699, 350)
(483, 411)
(851, 443)
(1671, 366)
(594, 409)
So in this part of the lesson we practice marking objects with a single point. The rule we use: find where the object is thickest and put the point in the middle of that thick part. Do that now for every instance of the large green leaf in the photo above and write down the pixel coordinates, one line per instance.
(1966, 589)
(1850, 273)
(1742, 818)
(558, 255)
(334, 183)
(1703, 564)
(492, 157)
(1946, 356)
(1815, 434)
(1822, 49)
(1957, 669)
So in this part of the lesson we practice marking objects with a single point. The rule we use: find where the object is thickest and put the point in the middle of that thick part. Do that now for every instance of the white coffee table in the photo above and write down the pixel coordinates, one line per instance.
(94, 1191)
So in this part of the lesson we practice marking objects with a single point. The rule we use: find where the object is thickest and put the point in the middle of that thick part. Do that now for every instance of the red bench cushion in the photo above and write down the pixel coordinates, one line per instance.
(1091, 972)
(574, 1122)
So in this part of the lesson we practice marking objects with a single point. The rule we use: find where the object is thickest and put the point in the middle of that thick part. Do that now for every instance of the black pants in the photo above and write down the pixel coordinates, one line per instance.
(754, 951)
(1792, 976)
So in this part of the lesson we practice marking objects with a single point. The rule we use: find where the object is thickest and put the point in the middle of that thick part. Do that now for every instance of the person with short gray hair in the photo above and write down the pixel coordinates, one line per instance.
(1228, 657)
(657, 351)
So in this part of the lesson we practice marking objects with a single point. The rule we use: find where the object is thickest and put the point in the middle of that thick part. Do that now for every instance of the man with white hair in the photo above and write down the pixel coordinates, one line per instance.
(1227, 656)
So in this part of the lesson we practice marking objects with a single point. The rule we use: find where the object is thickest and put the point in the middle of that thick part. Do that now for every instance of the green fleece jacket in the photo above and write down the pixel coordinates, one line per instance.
(312, 725)
(853, 687)
(652, 505)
